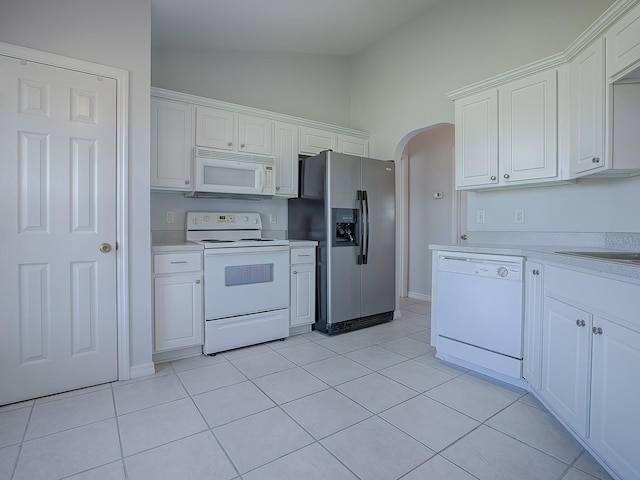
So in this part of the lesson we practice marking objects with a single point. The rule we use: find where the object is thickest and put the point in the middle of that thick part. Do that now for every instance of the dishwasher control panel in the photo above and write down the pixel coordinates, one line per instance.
(507, 268)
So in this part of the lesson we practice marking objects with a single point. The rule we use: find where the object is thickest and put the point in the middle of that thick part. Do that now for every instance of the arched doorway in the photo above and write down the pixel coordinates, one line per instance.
(430, 210)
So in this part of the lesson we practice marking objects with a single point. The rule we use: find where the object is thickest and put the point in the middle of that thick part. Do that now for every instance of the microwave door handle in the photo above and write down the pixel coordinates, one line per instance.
(260, 180)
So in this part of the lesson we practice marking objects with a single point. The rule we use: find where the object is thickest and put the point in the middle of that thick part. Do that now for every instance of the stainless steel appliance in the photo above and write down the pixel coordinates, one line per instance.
(478, 312)
(232, 175)
(347, 204)
(246, 280)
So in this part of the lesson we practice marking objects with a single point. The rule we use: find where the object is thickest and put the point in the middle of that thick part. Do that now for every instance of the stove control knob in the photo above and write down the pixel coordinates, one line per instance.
(195, 220)
(255, 221)
(502, 272)
(206, 218)
(245, 219)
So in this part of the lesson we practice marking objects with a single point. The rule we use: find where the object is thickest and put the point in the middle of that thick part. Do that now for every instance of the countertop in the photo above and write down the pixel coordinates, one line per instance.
(302, 243)
(548, 254)
(177, 246)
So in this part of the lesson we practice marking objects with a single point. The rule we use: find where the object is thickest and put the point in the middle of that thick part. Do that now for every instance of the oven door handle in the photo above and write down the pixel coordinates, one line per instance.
(244, 250)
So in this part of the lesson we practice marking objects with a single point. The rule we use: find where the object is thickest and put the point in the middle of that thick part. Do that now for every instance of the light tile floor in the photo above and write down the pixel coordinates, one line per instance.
(370, 404)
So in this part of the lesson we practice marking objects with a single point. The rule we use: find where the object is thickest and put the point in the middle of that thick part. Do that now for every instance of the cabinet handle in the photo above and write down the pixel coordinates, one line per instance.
(187, 182)
(506, 175)
(197, 282)
(229, 144)
(595, 160)
(597, 330)
(493, 177)
(581, 323)
(173, 263)
(302, 255)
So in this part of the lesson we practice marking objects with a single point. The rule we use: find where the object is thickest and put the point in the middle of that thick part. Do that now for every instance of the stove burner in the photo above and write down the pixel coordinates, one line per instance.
(212, 240)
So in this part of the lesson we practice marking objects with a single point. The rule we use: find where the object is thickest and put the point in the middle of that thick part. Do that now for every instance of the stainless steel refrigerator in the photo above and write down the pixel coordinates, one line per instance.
(347, 204)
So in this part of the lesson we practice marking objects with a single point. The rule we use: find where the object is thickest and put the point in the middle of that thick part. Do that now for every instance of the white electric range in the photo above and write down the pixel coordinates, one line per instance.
(246, 280)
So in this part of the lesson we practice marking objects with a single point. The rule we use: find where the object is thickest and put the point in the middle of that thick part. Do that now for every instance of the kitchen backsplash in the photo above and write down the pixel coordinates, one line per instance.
(616, 240)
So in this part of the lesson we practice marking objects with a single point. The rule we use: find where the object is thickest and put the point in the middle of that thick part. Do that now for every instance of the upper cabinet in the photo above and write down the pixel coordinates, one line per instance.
(225, 130)
(180, 122)
(508, 136)
(587, 96)
(564, 117)
(171, 144)
(623, 43)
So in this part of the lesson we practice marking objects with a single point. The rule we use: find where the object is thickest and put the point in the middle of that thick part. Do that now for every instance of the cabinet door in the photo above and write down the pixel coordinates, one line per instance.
(171, 144)
(587, 110)
(615, 388)
(314, 141)
(623, 43)
(255, 135)
(286, 153)
(566, 331)
(528, 123)
(215, 128)
(476, 142)
(303, 295)
(532, 323)
(353, 145)
(178, 319)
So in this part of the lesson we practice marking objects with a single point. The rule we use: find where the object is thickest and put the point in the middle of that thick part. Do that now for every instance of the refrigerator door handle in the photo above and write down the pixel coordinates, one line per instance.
(360, 255)
(366, 240)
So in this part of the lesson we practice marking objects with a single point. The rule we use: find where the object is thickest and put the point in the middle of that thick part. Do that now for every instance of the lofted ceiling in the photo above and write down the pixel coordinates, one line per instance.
(331, 27)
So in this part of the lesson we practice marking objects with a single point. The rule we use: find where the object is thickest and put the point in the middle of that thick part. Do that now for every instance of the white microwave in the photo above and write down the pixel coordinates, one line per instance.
(229, 175)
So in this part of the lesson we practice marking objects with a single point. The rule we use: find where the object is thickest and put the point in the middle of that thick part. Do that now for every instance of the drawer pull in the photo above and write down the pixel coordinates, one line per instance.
(304, 255)
(182, 261)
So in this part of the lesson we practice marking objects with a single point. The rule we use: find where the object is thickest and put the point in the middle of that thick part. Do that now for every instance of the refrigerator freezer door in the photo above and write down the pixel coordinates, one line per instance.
(345, 177)
(378, 275)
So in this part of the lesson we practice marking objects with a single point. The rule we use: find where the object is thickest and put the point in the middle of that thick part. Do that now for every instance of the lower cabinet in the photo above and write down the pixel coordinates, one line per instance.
(303, 286)
(177, 288)
(590, 359)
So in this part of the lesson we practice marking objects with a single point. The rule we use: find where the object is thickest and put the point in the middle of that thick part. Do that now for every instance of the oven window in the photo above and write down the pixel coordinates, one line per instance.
(248, 274)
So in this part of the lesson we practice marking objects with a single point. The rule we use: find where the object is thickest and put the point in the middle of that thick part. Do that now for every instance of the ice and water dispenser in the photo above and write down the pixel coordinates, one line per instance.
(345, 227)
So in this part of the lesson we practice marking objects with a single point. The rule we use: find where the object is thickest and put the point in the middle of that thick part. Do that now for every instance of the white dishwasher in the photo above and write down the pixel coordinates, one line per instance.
(478, 312)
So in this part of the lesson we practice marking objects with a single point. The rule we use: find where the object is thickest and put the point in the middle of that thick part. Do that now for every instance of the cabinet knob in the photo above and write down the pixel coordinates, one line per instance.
(242, 145)
(277, 188)
(580, 323)
(535, 272)
(506, 175)
(187, 182)
(464, 237)
(197, 282)
(597, 330)
(595, 160)
(295, 272)
(493, 177)
(229, 144)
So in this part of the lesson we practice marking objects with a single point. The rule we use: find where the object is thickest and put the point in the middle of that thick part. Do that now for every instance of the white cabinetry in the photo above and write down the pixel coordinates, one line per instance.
(171, 144)
(353, 145)
(224, 130)
(527, 129)
(303, 286)
(177, 284)
(508, 136)
(587, 110)
(314, 141)
(590, 360)
(533, 282)
(623, 43)
(286, 154)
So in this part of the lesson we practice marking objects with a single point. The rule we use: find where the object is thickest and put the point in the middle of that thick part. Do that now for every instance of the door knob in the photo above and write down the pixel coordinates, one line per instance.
(105, 248)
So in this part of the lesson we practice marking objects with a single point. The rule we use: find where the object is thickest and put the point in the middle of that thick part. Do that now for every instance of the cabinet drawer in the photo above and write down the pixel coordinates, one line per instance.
(303, 255)
(177, 262)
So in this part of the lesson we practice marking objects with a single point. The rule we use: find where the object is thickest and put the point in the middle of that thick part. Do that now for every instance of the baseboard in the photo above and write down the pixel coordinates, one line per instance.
(419, 296)
(142, 370)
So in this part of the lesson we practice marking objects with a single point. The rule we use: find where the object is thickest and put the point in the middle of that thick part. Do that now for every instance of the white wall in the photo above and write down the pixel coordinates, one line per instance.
(316, 87)
(115, 33)
(399, 85)
(430, 220)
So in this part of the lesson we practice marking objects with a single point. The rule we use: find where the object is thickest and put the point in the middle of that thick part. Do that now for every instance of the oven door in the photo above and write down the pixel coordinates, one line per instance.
(238, 281)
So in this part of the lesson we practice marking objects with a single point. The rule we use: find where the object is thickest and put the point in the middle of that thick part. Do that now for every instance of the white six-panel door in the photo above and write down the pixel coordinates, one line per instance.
(58, 325)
